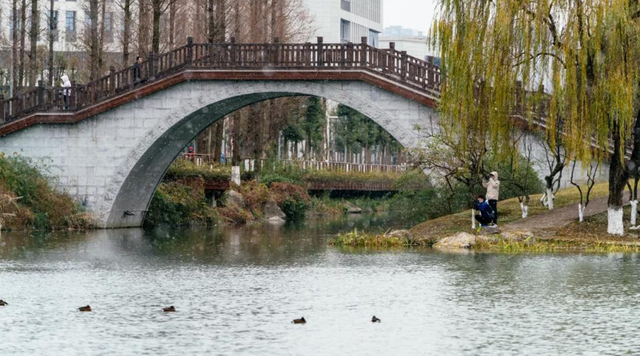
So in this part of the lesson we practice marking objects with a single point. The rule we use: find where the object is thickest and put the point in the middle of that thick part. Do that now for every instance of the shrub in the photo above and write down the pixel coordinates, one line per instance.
(29, 199)
(179, 204)
(292, 199)
(255, 195)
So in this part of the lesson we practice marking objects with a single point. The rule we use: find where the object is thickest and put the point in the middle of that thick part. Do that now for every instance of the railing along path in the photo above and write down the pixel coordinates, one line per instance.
(394, 66)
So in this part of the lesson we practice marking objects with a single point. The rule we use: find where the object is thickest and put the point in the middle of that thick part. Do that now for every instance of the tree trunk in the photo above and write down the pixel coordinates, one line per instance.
(53, 28)
(14, 46)
(172, 25)
(126, 35)
(219, 140)
(33, 40)
(211, 20)
(93, 40)
(157, 13)
(101, 39)
(236, 138)
(236, 21)
(143, 28)
(23, 35)
(618, 177)
(221, 23)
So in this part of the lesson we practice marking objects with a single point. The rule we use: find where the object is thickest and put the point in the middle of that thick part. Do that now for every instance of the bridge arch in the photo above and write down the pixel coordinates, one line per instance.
(113, 161)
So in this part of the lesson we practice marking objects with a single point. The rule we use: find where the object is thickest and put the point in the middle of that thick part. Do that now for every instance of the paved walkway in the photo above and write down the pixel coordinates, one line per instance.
(559, 217)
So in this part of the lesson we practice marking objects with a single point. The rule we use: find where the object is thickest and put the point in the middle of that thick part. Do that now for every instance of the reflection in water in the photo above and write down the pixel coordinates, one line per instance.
(236, 291)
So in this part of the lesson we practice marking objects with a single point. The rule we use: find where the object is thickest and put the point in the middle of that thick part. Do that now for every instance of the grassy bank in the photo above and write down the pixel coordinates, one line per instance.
(509, 211)
(29, 200)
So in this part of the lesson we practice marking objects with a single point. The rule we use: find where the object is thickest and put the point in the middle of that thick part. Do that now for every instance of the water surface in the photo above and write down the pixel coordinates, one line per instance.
(236, 291)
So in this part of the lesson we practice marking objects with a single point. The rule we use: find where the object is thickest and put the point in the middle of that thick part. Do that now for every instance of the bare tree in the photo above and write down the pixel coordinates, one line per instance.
(23, 35)
(14, 45)
(53, 31)
(144, 10)
(33, 41)
(584, 198)
(127, 24)
(91, 38)
(556, 160)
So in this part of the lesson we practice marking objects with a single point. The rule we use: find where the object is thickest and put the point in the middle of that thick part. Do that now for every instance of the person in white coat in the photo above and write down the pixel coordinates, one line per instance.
(66, 93)
(493, 188)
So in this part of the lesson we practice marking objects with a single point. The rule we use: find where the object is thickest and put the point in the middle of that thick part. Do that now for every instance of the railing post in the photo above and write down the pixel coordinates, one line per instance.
(112, 80)
(73, 95)
(152, 65)
(391, 63)
(430, 72)
(320, 52)
(40, 94)
(2, 112)
(275, 51)
(403, 63)
(233, 51)
(364, 42)
(344, 52)
(189, 51)
(306, 55)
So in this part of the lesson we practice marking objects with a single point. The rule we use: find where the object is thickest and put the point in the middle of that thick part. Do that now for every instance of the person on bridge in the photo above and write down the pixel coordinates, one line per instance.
(137, 70)
(486, 215)
(66, 93)
(493, 186)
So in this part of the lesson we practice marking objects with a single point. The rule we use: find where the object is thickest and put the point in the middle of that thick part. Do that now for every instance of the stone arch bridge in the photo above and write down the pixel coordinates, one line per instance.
(111, 141)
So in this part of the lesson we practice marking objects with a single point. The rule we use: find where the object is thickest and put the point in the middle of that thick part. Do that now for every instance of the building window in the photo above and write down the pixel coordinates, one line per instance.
(345, 5)
(345, 31)
(70, 26)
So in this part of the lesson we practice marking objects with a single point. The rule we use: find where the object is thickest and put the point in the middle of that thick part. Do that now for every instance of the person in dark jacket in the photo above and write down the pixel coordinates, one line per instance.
(486, 215)
(137, 70)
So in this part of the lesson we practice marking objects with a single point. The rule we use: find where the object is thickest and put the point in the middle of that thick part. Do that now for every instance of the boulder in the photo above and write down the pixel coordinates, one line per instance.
(272, 212)
(234, 198)
(461, 240)
(351, 208)
(403, 235)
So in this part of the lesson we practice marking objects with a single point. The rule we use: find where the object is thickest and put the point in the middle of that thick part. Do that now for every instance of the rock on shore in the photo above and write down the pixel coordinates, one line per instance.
(461, 240)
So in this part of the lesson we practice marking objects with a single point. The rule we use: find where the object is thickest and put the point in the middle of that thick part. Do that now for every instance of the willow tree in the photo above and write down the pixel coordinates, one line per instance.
(585, 52)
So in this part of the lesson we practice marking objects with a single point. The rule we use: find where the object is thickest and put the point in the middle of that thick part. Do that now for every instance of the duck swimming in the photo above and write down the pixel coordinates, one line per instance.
(299, 321)
(375, 320)
(85, 309)
(3, 303)
(169, 309)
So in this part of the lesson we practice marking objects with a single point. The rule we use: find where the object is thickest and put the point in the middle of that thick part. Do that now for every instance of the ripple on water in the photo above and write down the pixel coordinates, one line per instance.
(236, 296)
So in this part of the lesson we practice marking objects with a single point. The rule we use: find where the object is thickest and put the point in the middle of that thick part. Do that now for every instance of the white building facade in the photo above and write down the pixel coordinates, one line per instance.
(342, 21)
(412, 41)
(70, 20)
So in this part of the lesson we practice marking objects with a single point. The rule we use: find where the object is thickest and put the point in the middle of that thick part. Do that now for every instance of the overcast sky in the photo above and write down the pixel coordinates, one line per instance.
(416, 14)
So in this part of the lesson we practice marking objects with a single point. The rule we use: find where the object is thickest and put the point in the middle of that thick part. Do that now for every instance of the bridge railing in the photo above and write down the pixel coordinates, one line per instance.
(388, 63)
(211, 160)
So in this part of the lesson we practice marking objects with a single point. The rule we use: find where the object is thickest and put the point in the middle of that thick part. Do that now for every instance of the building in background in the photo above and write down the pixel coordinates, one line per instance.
(70, 20)
(342, 21)
(405, 39)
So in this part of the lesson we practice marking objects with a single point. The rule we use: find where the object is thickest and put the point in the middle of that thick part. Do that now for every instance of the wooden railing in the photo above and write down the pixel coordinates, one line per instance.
(392, 65)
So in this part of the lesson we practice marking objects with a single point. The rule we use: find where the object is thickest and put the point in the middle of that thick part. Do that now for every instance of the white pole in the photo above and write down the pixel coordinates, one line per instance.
(473, 219)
